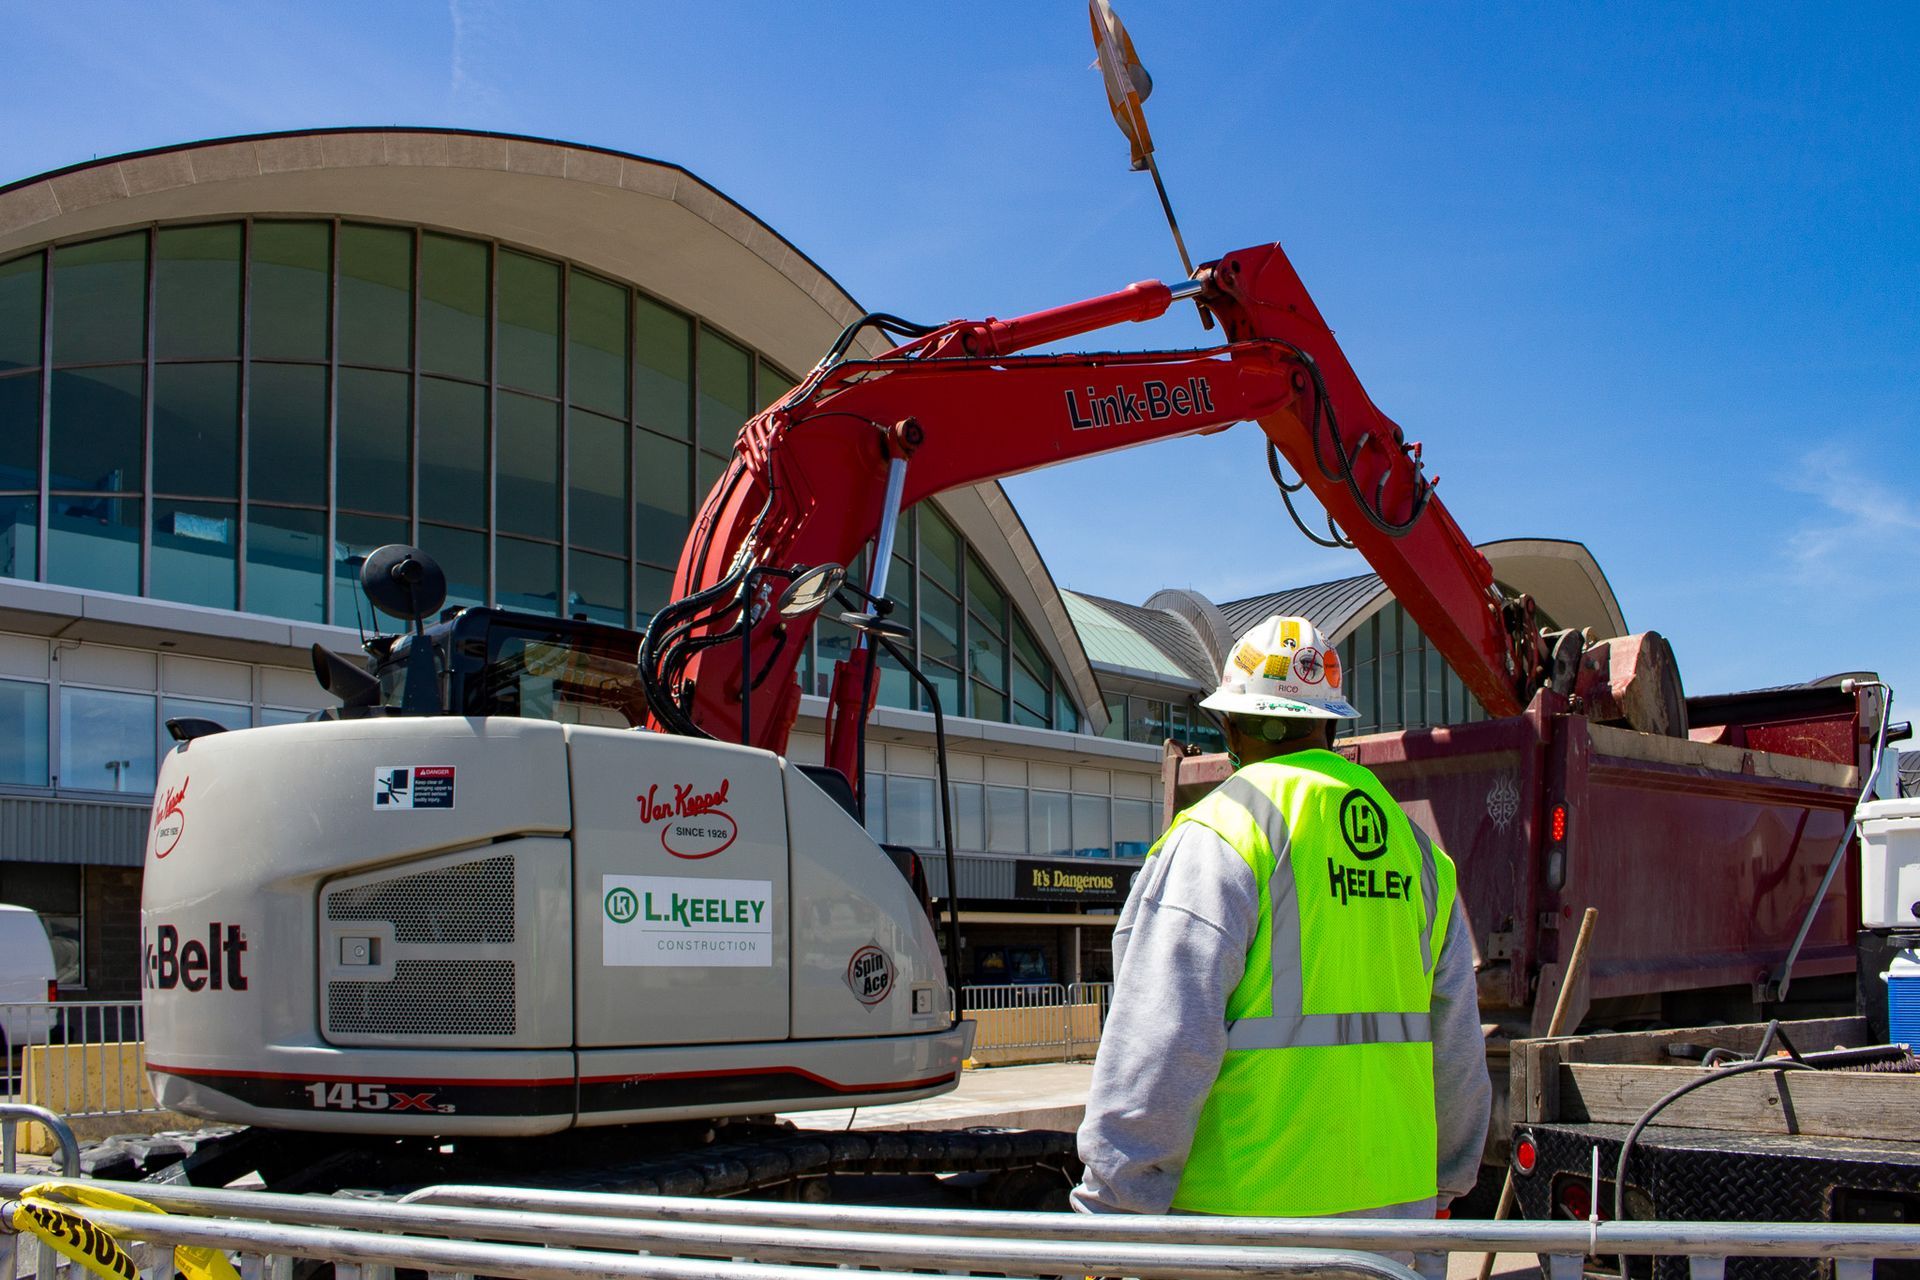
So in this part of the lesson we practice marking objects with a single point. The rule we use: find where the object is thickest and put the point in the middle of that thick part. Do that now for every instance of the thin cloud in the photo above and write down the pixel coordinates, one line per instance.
(1857, 517)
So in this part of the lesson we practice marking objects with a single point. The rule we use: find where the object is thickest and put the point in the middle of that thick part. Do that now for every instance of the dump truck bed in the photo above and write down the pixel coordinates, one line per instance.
(1703, 856)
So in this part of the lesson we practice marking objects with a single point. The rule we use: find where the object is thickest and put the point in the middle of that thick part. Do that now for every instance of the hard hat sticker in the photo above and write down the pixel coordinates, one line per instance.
(1307, 667)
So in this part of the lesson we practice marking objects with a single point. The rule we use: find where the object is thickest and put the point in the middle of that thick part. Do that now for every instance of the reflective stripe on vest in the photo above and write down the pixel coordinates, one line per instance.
(1290, 1026)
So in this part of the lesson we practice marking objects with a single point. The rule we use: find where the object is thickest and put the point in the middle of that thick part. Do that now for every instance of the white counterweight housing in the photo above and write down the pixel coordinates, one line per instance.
(511, 926)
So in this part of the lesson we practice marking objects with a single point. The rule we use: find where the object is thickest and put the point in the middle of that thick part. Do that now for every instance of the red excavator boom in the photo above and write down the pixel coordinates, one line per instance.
(823, 472)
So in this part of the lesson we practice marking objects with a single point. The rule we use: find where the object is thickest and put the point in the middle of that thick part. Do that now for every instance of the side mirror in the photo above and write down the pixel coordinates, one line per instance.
(810, 590)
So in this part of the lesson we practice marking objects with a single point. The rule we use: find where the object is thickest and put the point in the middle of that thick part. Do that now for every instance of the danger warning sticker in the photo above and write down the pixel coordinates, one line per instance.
(413, 786)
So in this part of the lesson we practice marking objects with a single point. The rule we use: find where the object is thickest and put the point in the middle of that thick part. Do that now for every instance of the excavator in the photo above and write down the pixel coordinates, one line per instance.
(535, 876)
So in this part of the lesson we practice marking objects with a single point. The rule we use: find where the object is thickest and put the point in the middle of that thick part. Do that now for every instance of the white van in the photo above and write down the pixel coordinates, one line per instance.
(26, 977)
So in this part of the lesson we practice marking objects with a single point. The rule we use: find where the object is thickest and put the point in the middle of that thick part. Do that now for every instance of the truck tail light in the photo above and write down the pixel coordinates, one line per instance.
(1525, 1154)
(53, 990)
(1559, 823)
(1576, 1201)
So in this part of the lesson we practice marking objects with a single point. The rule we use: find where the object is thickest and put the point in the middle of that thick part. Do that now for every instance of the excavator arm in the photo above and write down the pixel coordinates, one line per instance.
(826, 470)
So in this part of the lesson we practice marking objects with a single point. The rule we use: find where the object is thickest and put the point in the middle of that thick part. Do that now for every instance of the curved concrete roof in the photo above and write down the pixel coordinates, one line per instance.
(648, 222)
(1187, 630)
(1562, 577)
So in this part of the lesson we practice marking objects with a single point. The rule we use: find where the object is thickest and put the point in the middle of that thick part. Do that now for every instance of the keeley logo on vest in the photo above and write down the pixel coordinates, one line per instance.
(1364, 826)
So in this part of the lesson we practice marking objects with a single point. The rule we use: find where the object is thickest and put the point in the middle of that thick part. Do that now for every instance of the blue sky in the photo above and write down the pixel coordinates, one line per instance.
(1640, 276)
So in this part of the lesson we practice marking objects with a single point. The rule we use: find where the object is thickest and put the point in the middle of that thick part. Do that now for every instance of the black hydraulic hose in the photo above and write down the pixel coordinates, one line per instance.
(946, 821)
(1646, 1118)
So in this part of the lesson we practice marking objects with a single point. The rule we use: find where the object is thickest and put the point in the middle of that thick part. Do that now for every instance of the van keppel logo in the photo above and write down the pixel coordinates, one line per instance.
(694, 824)
(1363, 824)
(169, 819)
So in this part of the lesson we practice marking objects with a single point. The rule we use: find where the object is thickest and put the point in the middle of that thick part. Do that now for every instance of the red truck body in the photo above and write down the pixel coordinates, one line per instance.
(1702, 854)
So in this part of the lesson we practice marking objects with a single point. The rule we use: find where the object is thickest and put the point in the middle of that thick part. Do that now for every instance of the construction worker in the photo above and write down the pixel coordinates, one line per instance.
(1293, 1030)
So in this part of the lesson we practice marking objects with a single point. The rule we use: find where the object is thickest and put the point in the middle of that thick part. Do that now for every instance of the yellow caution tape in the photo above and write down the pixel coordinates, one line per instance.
(72, 1235)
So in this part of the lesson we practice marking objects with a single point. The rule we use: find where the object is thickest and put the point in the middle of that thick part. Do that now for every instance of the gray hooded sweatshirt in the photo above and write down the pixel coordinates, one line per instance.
(1179, 950)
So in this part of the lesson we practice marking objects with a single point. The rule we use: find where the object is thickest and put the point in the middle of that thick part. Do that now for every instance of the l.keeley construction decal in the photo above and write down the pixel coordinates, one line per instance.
(688, 922)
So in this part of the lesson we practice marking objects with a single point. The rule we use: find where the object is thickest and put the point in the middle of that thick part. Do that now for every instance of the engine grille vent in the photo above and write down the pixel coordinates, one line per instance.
(427, 997)
(471, 902)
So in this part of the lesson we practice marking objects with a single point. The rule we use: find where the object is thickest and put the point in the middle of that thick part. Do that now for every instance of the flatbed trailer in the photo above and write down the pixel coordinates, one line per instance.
(1840, 1143)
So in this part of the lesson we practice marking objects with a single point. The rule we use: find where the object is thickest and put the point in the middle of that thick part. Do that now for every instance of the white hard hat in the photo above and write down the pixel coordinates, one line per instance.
(1285, 668)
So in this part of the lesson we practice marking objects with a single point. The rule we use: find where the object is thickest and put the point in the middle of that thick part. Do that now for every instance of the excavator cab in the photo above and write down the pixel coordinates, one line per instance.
(478, 661)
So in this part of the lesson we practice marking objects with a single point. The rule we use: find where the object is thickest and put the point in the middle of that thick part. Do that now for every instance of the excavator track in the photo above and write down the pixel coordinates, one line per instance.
(1028, 1166)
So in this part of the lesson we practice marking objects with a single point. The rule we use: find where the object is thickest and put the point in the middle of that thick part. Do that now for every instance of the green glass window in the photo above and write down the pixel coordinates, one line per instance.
(287, 433)
(726, 391)
(528, 334)
(462, 556)
(662, 366)
(1049, 812)
(984, 598)
(108, 740)
(376, 296)
(292, 263)
(988, 703)
(987, 657)
(597, 587)
(453, 452)
(100, 300)
(19, 537)
(662, 505)
(97, 429)
(528, 575)
(453, 307)
(20, 431)
(939, 550)
(355, 538)
(597, 344)
(771, 384)
(286, 563)
(528, 499)
(1030, 677)
(23, 734)
(597, 476)
(196, 292)
(1436, 688)
(896, 687)
(374, 447)
(1066, 717)
(939, 626)
(194, 546)
(1116, 718)
(20, 311)
(196, 431)
(93, 541)
(652, 588)
(947, 681)
(710, 471)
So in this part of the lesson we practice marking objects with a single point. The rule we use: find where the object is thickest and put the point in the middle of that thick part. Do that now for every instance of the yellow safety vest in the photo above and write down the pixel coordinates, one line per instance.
(1324, 1102)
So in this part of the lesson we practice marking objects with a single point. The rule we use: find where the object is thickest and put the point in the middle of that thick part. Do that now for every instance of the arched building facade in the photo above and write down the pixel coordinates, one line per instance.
(228, 370)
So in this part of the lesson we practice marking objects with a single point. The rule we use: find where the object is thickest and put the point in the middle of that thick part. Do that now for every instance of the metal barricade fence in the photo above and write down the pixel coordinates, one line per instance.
(79, 1058)
(1025, 1020)
(1087, 1019)
(517, 1232)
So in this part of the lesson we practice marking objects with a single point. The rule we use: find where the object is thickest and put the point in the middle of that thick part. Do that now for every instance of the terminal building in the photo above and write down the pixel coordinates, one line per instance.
(231, 369)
